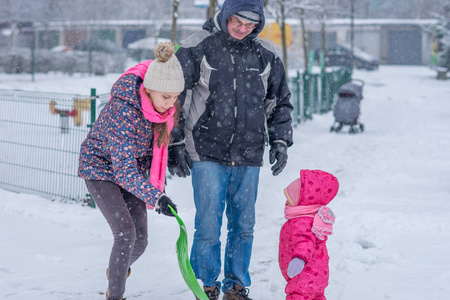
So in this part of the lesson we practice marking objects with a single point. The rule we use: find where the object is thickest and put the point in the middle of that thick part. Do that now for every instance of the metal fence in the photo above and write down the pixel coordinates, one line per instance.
(40, 137)
(41, 133)
(314, 93)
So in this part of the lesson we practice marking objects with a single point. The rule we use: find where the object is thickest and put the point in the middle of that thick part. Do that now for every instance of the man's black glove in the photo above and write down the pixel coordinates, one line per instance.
(278, 152)
(179, 161)
(162, 206)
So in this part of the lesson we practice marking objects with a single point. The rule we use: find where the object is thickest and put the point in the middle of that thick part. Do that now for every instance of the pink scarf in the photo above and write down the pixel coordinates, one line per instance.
(323, 218)
(160, 154)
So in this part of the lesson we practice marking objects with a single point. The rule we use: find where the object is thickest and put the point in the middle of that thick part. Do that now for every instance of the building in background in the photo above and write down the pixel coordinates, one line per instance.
(46, 24)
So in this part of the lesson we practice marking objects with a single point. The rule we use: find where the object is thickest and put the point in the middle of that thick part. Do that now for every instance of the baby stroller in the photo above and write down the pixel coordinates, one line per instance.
(346, 109)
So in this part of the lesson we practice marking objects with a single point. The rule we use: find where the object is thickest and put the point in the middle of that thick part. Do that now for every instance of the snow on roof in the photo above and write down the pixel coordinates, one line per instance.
(363, 22)
(129, 22)
(147, 43)
(205, 3)
(383, 21)
(99, 23)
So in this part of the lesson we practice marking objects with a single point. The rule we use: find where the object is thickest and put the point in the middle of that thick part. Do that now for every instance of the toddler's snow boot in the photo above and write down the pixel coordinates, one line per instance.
(237, 293)
(107, 277)
(212, 292)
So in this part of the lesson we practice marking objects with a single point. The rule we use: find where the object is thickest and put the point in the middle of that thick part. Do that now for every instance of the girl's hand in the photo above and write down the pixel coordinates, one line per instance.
(162, 206)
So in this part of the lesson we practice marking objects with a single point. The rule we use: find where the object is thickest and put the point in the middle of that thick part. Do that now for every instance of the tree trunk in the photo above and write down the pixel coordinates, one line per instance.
(304, 39)
(283, 36)
(173, 32)
(212, 8)
(323, 40)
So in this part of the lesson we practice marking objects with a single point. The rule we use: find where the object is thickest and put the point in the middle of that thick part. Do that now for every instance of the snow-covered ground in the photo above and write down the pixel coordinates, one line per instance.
(392, 231)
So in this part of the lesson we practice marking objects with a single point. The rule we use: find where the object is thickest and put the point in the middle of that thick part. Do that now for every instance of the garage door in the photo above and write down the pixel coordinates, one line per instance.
(405, 47)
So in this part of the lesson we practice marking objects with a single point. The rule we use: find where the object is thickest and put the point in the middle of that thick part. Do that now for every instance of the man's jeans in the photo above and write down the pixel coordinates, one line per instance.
(216, 187)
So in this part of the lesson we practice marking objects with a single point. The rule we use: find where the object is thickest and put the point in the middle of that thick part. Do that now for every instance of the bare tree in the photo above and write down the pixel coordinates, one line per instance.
(302, 8)
(173, 32)
(315, 9)
(304, 38)
(320, 10)
(212, 8)
(278, 8)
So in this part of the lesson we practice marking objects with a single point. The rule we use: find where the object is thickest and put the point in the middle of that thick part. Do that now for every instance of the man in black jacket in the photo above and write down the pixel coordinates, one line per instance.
(235, 102)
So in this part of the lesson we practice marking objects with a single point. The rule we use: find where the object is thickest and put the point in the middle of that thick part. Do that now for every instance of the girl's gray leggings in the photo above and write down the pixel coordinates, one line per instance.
(127, 217)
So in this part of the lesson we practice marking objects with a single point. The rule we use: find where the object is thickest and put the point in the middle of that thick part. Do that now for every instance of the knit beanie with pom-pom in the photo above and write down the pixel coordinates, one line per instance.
(165, 74)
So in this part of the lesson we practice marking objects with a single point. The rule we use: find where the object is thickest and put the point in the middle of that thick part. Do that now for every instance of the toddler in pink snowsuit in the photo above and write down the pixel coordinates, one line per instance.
(303, 255)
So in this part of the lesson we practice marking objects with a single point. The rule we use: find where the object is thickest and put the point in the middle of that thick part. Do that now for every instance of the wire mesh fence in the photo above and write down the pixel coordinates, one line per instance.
(40, 137)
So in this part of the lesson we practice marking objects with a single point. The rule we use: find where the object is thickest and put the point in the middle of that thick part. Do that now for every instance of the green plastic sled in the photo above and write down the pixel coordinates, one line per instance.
(183, 261)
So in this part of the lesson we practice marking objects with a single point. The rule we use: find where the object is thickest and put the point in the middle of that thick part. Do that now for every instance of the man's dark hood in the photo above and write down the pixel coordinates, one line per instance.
(229, 8)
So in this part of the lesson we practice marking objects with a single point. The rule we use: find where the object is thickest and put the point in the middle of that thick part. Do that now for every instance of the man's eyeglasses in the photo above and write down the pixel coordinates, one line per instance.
(238, 23)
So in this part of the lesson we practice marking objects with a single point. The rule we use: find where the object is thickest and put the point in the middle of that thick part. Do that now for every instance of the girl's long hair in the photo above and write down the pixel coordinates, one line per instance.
(163, 131)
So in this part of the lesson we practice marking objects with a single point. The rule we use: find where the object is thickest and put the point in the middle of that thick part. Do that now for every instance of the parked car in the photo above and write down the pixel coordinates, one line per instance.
(341, 55)
(19, 60)
(98, 45)
(143, 49)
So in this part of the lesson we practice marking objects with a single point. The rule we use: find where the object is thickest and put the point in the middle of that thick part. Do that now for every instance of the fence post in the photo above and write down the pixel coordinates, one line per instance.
(310, 61)
(315, 91)
(298, 97)
(322, 62)
(305, 94)
(90, 200)
(329, 91)
(323, 92)
(93, 107)
(307, 91)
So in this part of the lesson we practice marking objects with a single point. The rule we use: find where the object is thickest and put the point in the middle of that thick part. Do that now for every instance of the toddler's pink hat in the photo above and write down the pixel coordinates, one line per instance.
(313, 187)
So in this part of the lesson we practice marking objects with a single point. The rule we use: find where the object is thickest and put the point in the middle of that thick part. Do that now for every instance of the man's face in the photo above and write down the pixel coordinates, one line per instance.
(239, 28)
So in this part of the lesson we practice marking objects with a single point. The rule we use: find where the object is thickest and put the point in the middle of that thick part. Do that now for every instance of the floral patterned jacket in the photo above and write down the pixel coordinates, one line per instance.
(119, 146)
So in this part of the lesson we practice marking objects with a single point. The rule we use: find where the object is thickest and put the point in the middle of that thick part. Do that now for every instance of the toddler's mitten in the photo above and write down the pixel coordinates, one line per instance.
(162, 206)
(295, 267)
